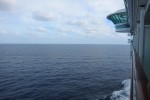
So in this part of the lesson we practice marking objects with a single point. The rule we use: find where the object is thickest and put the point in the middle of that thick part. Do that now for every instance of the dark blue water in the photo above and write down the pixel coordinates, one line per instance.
(62, 72)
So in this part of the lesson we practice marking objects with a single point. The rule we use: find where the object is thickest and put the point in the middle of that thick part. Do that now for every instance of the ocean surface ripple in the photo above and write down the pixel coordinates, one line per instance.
(64, 72)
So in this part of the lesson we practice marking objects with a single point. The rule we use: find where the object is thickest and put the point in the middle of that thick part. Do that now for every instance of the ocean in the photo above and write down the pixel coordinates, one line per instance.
(64, 72)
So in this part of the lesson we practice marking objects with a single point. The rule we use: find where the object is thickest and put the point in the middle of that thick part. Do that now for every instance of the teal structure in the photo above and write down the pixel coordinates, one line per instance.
(120, 19)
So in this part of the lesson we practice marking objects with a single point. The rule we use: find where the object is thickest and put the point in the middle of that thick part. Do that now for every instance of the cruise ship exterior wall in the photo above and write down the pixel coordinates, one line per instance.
(138, 14)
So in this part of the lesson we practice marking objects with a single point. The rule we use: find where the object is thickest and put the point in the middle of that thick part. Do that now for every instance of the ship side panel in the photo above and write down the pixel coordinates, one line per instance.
(146, 60)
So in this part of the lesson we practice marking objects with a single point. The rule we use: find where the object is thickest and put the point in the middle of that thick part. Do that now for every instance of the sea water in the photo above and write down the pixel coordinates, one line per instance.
(64, 72)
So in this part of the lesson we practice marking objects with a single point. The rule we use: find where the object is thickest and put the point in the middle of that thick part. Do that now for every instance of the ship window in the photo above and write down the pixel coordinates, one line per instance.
(124, 17)
(122, 21)
(113, 19)
(117, 18)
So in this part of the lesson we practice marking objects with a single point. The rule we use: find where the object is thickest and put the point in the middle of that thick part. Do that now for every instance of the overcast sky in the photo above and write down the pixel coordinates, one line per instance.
(59, 22)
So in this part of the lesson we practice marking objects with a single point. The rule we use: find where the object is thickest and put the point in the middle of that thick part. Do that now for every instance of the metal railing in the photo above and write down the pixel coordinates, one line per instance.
(139, 82)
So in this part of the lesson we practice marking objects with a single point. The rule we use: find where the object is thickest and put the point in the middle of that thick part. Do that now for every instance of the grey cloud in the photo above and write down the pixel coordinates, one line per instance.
(41, 29)
(9, 33)
(80, 23)
(7, 5)
(3, 32)
(43, 16)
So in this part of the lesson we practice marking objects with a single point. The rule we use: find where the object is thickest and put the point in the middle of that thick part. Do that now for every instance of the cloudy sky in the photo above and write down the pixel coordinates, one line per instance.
(59, 22)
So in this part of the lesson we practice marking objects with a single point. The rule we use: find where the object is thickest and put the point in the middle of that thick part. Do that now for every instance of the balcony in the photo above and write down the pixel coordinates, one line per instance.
(120, 19)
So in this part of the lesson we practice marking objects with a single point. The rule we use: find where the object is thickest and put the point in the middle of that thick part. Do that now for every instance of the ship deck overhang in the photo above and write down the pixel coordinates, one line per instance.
(120, 20)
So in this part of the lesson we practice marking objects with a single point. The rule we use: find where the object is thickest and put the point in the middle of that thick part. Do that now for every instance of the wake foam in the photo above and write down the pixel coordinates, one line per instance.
(124, 93)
